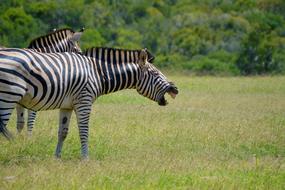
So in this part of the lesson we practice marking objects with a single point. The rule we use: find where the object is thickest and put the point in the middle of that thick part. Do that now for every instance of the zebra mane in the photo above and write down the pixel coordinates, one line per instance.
(64, 32)
(88, 52)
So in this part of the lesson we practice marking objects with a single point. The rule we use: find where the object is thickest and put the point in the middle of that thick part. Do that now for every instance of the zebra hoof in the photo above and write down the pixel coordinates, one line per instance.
(85, 158)
(29, 134)
(57, 156)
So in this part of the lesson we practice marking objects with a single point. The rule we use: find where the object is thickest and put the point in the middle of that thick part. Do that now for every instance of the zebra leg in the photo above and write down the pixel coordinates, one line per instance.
(64, 119)
(83, 113)
(20, 118)
(6, 109)
(31, 121)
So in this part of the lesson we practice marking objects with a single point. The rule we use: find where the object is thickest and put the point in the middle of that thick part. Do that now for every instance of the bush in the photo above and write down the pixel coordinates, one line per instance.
(216, 63)
(212, 66)
(22, 25)
(279, 60)
(261, 54)
(92, 38)
(174, 61)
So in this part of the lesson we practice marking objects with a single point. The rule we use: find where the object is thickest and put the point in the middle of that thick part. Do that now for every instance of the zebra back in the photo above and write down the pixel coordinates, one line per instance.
(94, 52)
(62, 40)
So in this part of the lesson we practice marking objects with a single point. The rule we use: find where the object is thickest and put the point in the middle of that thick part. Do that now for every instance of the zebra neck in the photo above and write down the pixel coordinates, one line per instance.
(60, 46)
(115, 77)
(58, 41)
(114, 69)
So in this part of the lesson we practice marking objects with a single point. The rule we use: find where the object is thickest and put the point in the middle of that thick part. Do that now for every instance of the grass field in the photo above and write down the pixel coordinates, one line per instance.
(219, 133)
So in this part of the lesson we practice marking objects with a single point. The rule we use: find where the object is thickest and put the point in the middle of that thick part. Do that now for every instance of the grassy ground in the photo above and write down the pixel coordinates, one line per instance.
(220, 133)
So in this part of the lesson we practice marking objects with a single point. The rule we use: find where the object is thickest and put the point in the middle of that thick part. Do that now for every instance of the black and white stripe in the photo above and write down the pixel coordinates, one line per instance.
(70, 81)
(63, 40)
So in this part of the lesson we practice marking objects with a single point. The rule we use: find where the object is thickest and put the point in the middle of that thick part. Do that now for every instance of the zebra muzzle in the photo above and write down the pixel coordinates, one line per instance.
(172, 91)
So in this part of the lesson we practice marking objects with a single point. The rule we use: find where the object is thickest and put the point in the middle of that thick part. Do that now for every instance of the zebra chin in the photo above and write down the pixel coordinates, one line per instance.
(172, 90)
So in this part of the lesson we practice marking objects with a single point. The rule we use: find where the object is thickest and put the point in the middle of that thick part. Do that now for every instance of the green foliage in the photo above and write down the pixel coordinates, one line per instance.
(16, 20)
(175, 62)
(262, 54)
(213, 66)
(91, 37)
(182, 34)
(129, 39)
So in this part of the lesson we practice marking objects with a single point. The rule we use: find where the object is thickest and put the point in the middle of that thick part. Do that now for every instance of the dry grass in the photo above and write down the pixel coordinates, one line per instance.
(220, 133)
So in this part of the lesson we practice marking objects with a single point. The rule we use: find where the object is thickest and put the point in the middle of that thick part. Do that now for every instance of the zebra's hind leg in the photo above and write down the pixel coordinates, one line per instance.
(31, 121)
(6, 108)
(64, 119)
(20, 118)
(83, 113)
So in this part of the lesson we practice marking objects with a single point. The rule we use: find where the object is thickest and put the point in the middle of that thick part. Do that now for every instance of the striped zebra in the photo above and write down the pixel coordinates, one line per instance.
(71, 81)
(62, 40)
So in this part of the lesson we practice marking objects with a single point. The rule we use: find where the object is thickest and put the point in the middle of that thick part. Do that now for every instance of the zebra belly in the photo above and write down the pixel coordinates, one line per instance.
(36, 105)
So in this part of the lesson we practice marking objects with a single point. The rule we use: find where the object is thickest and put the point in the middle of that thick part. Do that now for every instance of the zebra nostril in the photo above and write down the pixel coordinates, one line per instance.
(173, 85)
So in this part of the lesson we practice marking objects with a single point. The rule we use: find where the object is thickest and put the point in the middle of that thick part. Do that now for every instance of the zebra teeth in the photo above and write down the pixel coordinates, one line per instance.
(173, 95)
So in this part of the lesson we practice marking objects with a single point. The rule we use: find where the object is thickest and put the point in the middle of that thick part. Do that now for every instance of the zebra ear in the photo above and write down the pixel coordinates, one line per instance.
(150, 57)
(82, 29)
(142, 57)
(76, 36)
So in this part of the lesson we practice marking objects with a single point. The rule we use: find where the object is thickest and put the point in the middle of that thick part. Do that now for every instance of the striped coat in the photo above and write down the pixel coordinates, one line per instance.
(62, 40)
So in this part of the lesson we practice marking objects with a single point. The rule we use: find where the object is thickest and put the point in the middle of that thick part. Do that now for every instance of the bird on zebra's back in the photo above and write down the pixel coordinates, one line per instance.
(71, 81)
(59, 40)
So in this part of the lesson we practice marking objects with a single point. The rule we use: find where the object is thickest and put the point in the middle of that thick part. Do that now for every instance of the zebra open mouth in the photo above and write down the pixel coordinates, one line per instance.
(172, 91)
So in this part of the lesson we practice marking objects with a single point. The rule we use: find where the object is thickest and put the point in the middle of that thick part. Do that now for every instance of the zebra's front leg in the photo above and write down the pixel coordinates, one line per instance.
(20, 118)
(31, 121)
(83, 113)
(64, 119)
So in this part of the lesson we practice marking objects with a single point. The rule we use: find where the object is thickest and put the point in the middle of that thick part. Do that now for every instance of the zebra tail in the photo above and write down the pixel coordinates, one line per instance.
(5, 131)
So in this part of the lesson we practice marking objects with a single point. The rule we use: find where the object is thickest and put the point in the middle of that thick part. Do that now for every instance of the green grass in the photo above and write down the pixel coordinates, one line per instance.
(219, 133)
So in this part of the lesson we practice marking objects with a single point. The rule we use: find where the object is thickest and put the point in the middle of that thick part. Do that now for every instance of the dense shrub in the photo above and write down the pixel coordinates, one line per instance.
(214, 65)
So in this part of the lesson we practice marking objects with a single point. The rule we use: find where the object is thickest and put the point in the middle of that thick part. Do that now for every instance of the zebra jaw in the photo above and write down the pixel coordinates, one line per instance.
(172, 95)
(172, 91)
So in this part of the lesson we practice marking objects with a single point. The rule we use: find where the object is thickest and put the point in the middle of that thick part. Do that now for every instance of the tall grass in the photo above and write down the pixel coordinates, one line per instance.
(219, 133)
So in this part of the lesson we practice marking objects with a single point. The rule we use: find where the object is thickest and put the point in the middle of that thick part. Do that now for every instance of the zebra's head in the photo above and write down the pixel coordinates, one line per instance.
(152, 83)
(74, 40)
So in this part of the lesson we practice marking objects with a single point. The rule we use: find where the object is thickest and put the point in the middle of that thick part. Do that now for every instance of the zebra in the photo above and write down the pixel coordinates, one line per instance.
(88, 52)
(59, 40)
(72, 82)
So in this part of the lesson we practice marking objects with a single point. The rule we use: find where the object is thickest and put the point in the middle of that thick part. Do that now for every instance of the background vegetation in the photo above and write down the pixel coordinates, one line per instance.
(225, 37)
(219, 133)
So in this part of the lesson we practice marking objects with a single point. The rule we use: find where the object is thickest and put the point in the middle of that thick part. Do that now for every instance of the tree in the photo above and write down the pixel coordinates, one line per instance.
(17, 22)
